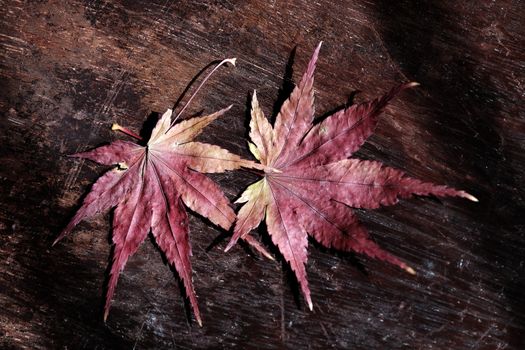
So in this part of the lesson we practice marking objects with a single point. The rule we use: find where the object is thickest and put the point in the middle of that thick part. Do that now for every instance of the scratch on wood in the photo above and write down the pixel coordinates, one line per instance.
(475, 345)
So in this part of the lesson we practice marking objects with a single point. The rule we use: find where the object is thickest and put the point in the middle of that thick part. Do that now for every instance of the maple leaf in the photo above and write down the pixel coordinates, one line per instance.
(150, 186)
(310, 186)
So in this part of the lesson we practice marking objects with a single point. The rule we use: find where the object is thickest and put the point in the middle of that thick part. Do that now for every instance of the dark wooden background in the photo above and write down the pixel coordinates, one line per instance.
(70, 69)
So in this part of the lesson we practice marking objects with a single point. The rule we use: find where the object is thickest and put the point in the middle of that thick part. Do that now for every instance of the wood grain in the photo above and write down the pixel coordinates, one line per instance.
(70, 69)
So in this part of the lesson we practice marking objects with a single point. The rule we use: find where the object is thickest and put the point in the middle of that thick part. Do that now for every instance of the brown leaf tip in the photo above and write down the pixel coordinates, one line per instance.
(310, 305)
(268, 256)
(470, 197)
(410, 270)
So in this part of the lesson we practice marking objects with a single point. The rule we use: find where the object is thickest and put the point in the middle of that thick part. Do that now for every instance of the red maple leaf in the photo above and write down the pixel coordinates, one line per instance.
(310, 186)
(150, 186)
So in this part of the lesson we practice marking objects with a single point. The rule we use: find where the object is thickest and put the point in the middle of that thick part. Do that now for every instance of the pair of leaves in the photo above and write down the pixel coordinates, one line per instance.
(309, 185)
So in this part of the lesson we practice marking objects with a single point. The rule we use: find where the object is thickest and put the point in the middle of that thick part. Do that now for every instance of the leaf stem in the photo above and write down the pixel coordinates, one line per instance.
(261, 170)
(116, 127)
(228, 60)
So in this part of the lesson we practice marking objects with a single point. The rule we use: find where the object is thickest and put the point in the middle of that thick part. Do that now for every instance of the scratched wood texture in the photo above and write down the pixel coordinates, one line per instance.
(70, 69)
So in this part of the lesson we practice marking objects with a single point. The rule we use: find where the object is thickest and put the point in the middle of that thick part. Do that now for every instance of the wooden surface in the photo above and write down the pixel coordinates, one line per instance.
(69, 70)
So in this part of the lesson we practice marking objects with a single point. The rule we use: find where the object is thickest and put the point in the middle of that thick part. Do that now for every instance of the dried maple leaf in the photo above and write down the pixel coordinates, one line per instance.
(149, 187)
(310, 186)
